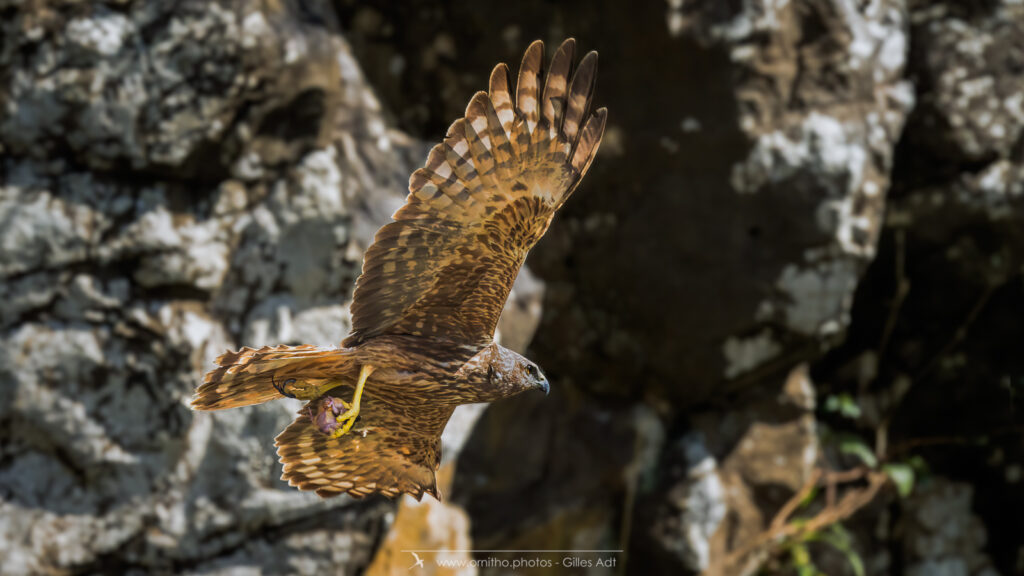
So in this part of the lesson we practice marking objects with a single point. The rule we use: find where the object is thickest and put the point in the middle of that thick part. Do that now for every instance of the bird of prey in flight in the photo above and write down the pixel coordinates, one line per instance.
(433, 285)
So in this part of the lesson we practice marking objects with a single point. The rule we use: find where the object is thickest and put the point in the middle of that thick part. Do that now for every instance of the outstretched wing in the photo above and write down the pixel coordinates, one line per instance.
(445, 266)
(391, 450)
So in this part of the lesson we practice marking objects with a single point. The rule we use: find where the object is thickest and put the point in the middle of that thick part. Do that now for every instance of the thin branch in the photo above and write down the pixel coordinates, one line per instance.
(782, 530)
(902, 289)
(787, 510)
(913, 443)
(961, 332)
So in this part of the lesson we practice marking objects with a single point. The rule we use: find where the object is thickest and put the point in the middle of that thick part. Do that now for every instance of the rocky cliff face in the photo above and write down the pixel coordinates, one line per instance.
(177, 179)
(795, 202)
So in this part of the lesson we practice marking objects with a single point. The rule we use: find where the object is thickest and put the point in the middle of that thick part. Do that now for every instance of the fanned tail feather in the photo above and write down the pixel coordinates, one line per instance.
(252, 376)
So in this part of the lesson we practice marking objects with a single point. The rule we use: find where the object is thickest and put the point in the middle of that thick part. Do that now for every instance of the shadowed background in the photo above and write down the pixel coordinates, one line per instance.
(799, 250)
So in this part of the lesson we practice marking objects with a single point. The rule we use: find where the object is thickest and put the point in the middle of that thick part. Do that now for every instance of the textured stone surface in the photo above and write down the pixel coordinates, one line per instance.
(433, 532)
(942, 364)
(764, 129)
(718, 240)
(942, 536)
(970, 70)
(177, 178)
(722, 482)
(724, 231)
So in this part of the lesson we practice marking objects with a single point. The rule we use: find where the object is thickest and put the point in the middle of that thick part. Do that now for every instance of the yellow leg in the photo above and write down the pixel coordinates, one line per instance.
(348, 418)
(325, 388)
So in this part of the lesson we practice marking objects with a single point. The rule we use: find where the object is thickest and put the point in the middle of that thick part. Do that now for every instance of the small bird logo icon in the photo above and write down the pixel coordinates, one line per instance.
(419, 561)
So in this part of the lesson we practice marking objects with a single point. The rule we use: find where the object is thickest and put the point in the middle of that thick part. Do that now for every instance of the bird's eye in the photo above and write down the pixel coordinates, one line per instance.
(532, 371)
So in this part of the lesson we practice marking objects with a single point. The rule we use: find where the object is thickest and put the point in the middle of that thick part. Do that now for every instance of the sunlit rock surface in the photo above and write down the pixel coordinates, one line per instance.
(177, 179)
(822, 182)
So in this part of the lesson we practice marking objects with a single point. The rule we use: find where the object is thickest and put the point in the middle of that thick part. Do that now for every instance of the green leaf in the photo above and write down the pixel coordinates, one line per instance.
(902, 475)
(809, 498)
(801, 559)
(838, 538)
(856, 447)
(844, 404)
(918, 464)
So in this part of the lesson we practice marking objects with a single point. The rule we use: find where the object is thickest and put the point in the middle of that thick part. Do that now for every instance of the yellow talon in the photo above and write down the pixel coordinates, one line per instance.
(348, 418)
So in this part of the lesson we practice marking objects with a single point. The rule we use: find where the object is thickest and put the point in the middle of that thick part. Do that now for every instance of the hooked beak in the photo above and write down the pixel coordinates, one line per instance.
(543, 385)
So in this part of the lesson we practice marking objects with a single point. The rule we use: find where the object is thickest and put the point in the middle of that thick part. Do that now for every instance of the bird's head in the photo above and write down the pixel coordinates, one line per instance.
(506, 373)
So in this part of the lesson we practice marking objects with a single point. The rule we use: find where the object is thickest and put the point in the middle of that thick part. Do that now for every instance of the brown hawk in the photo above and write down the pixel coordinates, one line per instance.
(433, 285)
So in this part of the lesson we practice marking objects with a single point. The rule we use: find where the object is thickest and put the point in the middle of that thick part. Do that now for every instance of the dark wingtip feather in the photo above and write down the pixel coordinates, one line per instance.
(500, 92)
(589, 141)
(556, 86)
(528, 87)
(580, 93)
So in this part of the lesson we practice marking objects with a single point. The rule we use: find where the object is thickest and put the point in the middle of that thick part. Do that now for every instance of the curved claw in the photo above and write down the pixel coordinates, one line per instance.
(280, 387)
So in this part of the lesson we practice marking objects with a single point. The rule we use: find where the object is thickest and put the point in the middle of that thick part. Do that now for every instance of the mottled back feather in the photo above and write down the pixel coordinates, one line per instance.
(487, 193)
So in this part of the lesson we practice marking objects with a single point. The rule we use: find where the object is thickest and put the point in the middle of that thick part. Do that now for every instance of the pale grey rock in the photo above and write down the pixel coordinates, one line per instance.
(699, 502)
(707, 492)
(972, 69)
(179, 179)
(805, 135)
(40, 230)
(130, 258)
(719, 238)
(183, 177)
(745, 354)
(941, 533)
